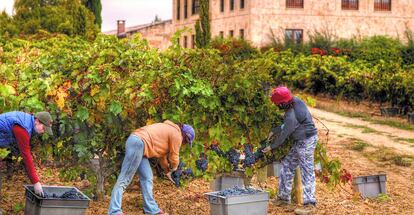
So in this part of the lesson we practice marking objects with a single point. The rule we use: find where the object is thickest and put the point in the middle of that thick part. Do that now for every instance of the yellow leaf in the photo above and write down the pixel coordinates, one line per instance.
(59, 144)
(61, 95)
(150, 121)
(95, 89)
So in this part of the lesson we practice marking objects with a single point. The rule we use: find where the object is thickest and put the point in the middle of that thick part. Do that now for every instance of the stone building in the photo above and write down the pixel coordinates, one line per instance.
(261, 20)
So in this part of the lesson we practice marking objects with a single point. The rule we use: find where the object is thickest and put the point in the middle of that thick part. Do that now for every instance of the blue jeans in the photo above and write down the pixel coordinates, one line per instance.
(134, 160)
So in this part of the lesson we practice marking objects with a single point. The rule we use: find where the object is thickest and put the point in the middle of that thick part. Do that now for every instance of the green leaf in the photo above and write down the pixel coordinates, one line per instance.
(115, 107)
(7, 90)
(82, 114)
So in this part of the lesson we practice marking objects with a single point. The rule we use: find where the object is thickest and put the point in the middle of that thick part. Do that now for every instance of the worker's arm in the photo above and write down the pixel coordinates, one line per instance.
(23, 142)
(289, 125)
(174, 149)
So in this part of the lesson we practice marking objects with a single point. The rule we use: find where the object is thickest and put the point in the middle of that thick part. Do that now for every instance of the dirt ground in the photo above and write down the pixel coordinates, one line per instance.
(344, 131)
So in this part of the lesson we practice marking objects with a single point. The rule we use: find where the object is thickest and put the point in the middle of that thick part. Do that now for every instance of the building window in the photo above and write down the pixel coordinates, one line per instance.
(185, 9)
(185, 41)
(294, 3)
(242, 34)
(294, 36)
(221, 34)
(231, 4)
(349, 4)
(221, 5)
(178, 9)
(193, 41)
(382, 5)
(196, 7)
(241, 4)
(231, 33)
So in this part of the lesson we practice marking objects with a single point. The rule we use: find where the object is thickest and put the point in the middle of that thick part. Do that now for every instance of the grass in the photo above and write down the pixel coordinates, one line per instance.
(385, 154)
(18, 207)
(365, 128)
(409, 140)
(358, 145)
(382, 197)
(367, 117)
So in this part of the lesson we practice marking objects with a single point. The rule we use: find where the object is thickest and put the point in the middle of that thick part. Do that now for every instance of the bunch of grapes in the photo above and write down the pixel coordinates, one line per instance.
(216, 149)
(72, 194)
(234, 157)
(202, 162)
(181, 173)
(235, 191)
(250, 157)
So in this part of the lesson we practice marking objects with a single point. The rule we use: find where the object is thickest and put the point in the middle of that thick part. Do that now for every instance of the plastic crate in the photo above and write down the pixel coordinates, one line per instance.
(410, 118)
(226, 181)
(371, 185)
(273, 169)
(389, 111)
(249, 204)
(36, 205)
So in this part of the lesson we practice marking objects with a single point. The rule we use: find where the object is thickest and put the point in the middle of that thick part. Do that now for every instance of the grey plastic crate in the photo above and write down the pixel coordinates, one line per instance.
(36, 205)
(226, 181)
(371, 185)
(273, 169)
(249, 204)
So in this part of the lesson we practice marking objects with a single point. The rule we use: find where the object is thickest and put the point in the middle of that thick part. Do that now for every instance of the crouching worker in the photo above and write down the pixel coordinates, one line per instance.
(159, 140)
(18, 128)
(299, 124)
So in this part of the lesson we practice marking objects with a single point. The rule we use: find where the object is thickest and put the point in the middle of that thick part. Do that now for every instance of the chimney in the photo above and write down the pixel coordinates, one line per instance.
(121, 27)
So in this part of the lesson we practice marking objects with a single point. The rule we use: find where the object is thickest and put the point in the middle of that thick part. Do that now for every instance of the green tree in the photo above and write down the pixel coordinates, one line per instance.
(56, 16)
(7, 28)
(95, 6)
(202, 26)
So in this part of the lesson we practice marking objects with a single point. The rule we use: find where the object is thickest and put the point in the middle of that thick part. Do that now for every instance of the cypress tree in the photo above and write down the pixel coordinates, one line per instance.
(95, 7)
(202, 27)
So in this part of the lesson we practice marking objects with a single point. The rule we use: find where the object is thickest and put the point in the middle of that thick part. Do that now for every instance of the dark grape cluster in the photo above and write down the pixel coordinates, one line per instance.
(235, 191)
(216, 149)
(72, 194)
(234, 157)
(250, 157)
(202, 162)
(181, 173)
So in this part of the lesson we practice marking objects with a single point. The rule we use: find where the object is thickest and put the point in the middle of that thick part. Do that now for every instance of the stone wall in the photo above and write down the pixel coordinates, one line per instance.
(259, 18)
(328, 16)
(158, 34)
(226, 21)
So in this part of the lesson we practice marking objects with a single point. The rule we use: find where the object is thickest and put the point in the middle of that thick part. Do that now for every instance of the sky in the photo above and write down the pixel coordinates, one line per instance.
(135, 12)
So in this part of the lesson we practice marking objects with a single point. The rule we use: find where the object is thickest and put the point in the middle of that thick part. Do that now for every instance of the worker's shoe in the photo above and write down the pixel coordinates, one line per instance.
(280, 202)
(307, 209)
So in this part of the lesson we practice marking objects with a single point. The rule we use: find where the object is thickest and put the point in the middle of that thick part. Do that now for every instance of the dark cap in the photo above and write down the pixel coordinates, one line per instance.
(46, 119)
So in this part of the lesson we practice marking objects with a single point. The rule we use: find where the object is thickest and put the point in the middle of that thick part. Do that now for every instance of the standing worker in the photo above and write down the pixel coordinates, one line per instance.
(19, 127)
(159, 140)
(299, 124)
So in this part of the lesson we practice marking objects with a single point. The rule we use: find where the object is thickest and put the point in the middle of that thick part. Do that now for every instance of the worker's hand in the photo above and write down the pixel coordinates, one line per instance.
(270, 135)
(170, 177)
(38, 189)
(267, 149)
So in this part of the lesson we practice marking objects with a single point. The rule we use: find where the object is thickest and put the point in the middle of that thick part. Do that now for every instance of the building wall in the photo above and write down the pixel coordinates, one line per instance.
(328, 16)
(158, 35)
(225, 21)
(260, 18)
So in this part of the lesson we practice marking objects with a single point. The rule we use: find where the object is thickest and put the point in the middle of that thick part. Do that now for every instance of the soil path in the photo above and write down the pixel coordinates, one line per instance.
(374, 134)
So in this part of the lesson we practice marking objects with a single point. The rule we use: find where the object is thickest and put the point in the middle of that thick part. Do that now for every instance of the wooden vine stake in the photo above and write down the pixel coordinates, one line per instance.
(297, 187)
